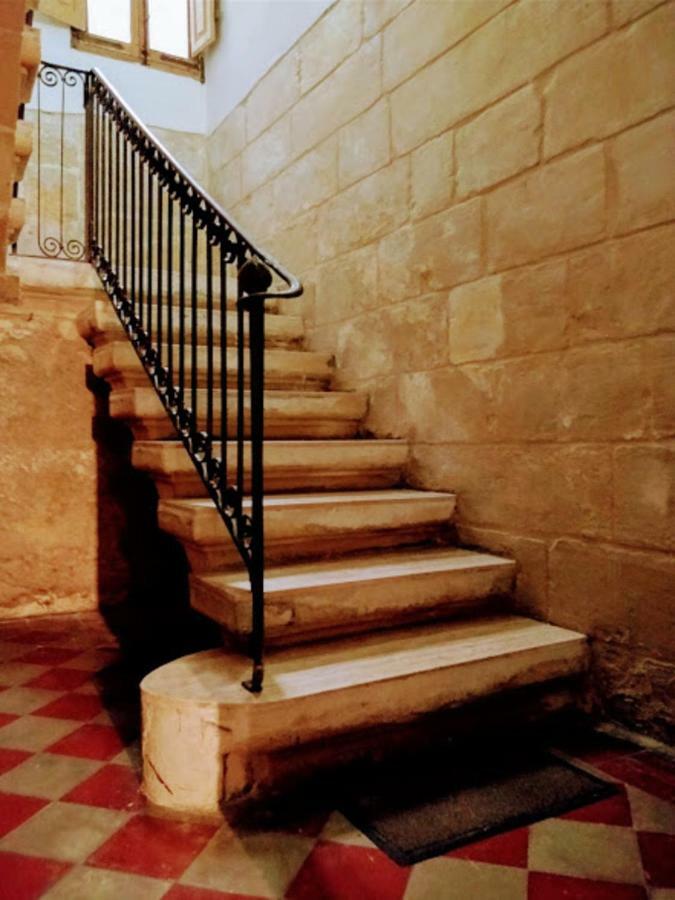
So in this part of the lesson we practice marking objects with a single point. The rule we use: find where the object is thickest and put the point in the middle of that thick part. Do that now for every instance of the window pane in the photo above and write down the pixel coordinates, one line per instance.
(110, 18)
(168, 26)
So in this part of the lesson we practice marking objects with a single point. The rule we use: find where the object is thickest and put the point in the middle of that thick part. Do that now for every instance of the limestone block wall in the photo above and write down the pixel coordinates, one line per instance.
(12, 22)
(480, 197)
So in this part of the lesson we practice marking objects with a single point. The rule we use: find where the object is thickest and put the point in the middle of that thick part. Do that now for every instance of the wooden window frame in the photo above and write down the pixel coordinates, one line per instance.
(137, 49)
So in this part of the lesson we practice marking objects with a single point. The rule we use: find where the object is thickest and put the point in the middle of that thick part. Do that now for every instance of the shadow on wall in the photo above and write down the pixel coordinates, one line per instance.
(143, 573)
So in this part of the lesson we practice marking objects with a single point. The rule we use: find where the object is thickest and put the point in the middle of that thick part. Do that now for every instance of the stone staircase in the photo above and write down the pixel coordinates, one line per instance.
(373, 616)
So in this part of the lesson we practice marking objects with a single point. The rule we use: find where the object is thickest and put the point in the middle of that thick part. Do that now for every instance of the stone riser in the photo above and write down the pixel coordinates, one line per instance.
(211, 557)
(298, 525)
(289, 466)
(302, 415)
(357, 594)
(119, 364)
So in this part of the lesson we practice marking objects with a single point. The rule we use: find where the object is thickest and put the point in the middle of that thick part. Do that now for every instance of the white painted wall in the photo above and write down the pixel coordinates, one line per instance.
(160, 98)
(254, 34)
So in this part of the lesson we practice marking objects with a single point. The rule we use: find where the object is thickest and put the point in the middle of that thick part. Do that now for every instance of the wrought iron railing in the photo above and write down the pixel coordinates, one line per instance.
(173, 263)
(163, 247)
(52, 184)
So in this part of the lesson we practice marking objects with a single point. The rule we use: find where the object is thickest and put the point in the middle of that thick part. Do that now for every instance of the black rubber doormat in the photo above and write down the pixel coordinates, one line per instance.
(435, 803)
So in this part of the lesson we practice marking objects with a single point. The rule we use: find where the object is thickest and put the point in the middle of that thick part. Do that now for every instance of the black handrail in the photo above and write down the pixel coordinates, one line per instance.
(145, 216)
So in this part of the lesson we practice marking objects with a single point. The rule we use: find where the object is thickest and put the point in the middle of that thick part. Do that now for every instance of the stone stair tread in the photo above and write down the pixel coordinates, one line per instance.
(98, 323)
(170, 456)
(332, 498)
(521, 647)
(290, 465)
(312, 524)
(378, 567)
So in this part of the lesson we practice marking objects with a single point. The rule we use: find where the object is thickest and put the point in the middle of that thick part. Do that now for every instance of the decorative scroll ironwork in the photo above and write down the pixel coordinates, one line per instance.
(166, 254)
(54, 176)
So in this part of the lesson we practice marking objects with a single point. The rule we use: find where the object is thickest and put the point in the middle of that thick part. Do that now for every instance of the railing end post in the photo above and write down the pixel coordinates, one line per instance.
(255, 683)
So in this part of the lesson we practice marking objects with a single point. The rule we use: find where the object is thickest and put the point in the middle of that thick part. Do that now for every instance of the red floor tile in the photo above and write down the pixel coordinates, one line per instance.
(159, 848)
(184, 892)
(113, 787)
(612, 811)
(27, 877)
(658, 858)
(640, 775)
(658, 764)
(15, 809)
(336, 871)
(37, 636)
(60, 679)
(48, 656)
(72, 706)
(90, 742)
(11, 758)
(508, 849)
(542, 886)
(6, 718)
(594, 748)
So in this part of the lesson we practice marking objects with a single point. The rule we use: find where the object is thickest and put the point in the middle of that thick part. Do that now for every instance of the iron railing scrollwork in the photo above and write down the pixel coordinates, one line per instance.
(57, 226)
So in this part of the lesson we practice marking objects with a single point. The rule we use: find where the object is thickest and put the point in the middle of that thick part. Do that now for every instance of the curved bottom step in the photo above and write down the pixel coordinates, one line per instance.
(200, 725)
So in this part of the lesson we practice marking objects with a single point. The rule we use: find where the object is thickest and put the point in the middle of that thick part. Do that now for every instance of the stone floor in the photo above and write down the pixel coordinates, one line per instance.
(73, 826)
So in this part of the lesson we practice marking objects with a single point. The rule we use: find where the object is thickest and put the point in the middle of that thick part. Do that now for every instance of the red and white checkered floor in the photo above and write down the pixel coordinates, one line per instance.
(73, 826)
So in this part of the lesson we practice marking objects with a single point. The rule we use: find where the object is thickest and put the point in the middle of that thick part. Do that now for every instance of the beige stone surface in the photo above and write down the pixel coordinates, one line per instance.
(352, 88)
(266, 155)
(625, 10)
(424, 30)
(554, 208)
(536, 490)
(644, 505)
(643, 161)
(431, 176)
(329, 42)
(276, 92)
(306, 183)
(480, 69)
(365, 211)
(48, 555)
(347, 285)
(376, 14)
(437, 253)
(623, 288)
(364, 144)
(476, 320)
(501, 142)
(613, 84)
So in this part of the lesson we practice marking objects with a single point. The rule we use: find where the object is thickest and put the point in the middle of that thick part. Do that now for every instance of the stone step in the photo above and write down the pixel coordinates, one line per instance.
(48, 279)
(358, 593)
(119, 364)
(289, 465)
(99, 324)
(288, 414)
(318, 692)
(312, 525)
